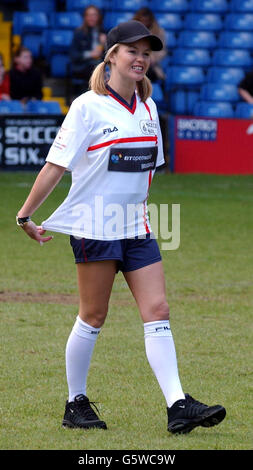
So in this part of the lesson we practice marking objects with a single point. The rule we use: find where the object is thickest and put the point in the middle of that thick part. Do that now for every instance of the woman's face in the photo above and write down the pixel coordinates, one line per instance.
(131, 61)
(24, 60)
(91, 17)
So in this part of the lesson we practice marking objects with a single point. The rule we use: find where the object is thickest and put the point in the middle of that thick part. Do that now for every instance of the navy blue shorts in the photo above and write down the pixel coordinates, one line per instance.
(130, 253)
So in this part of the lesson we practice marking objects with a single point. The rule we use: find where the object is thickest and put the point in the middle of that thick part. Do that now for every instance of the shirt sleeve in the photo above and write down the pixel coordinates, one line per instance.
(72, 140)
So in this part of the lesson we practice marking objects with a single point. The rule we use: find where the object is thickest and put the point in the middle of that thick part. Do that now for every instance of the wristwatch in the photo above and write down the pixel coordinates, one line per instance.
(21, 221)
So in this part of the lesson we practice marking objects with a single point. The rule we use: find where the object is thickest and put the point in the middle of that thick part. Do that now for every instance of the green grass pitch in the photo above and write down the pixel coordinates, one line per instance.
(210, 292)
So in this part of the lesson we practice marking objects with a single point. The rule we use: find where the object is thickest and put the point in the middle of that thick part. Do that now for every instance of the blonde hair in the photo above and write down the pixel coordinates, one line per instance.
(97, 81)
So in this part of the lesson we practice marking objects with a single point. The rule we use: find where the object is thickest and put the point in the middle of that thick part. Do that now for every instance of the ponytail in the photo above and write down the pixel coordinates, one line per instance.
(97, 81)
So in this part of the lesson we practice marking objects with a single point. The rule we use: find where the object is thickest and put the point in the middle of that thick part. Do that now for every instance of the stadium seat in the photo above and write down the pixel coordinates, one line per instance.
(169, 21)
(197, 39)
(80, 5)
(232, 58)
(112, 18)
(184, 56)
(209, 6)
(242, 5)
(59, 65)
(47, 6)
(184, 76)
(183, 101)
(12, 106)
(43, 107)
(236, 40)
(244, 110)
(239, 21)
(228, 75)
(65, 20)
(158, 97)
(219, 92)
(55, 41)
(127, 5)
(170, 39)
(213, 109)
(34, 42)
(203, 22)
(29, 21)
(173, 6)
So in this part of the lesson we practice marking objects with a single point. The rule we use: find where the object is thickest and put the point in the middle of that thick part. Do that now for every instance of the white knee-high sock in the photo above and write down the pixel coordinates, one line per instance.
(161, 354)
(79, 350)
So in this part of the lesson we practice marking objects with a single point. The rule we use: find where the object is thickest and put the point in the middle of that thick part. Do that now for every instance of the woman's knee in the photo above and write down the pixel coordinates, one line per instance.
(158, 311)
(93, 316)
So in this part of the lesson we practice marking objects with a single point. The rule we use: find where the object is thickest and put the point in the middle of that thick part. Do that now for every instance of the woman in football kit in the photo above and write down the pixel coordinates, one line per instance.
(111, 142)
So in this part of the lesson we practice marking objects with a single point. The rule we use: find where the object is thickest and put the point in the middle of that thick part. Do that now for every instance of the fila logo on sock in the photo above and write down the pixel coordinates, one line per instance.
(162, 328)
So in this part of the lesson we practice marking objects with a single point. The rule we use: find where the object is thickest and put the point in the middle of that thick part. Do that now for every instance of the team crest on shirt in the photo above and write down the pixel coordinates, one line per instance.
(148, 127)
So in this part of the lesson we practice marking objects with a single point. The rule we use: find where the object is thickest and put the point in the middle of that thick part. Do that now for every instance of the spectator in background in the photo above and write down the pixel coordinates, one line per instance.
(25, 79)
(245, 88)
(87, 47)
(4, 81)
(146, 16)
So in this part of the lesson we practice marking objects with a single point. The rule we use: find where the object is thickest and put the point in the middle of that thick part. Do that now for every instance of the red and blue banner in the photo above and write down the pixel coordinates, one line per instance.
(210, 145)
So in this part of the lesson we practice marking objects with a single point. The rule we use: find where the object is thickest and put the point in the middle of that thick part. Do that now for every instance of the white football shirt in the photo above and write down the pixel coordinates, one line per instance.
(112, 149)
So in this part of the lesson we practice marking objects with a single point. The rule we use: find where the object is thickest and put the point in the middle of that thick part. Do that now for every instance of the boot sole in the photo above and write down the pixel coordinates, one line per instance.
(68, 424)
(184, 426)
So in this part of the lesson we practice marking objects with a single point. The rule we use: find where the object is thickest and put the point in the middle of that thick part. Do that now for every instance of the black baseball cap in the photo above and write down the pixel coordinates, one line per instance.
(131, 31)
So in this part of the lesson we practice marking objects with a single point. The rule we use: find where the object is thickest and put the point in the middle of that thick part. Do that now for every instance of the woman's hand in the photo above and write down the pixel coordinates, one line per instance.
(35, 232)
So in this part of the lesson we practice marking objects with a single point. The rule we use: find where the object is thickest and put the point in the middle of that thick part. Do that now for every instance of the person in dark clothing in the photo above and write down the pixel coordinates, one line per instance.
(25, 79)
(245, 88)
(87, 48)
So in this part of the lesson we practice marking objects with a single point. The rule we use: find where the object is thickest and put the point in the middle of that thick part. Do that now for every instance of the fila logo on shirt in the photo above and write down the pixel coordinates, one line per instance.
(109, 130)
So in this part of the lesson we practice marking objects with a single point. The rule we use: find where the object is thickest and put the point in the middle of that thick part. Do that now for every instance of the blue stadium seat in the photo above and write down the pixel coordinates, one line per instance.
(236, 39)
(203, 22)
(59, 65)
(228, 75)
(244, 110)
(12, 106)
(232, 58)
(43, 107)
(184, 56)
(209, 6)
(178, 102)
(173, 6)
(242, 5)
(219, 92)
(197, 39)
(65, 20)
(170, 39)
(47, 6)
(55, 41)
(127, 5)
(183, 101)
(112, 18)
(29, 21)
(213, 109)
(34, 42)
(80, 5)
(239, 21)
(184, 76)
(158, 97)
(169, 21)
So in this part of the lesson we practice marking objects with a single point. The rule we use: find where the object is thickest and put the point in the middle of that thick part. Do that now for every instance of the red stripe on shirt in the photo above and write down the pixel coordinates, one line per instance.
(123, 141)
(144, 207)
(148, 109)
